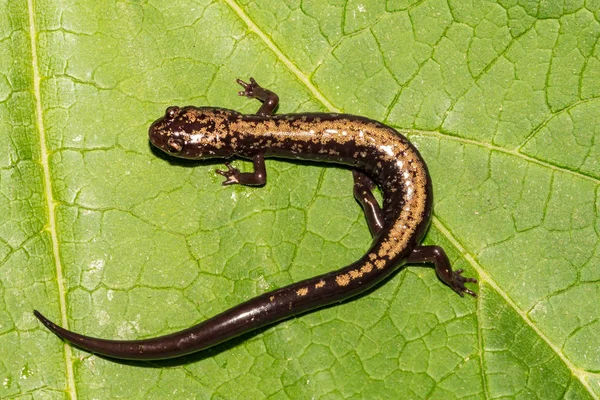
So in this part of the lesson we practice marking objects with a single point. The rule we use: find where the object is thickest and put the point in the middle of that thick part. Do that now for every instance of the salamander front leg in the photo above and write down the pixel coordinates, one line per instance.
(253, 90)
(437, 256)
(256, 178)
(363, 186)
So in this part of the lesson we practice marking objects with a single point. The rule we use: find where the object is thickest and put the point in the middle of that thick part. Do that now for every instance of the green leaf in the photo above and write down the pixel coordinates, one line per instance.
(110, 240)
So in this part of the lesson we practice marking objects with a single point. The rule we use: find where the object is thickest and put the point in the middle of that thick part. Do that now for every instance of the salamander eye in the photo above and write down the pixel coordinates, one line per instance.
(172, 112)
(174, 145)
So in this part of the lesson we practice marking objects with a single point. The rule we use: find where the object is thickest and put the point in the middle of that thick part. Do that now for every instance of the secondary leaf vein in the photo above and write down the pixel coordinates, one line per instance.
(282, 57)
(485, 278)
(514, 153)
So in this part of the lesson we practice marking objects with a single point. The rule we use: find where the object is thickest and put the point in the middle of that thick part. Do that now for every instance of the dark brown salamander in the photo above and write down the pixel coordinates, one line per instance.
(378, 156)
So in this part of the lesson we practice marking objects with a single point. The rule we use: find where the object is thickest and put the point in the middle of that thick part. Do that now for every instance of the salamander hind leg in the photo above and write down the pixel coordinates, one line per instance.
(437, 256)
(253, 90)
(363, 186)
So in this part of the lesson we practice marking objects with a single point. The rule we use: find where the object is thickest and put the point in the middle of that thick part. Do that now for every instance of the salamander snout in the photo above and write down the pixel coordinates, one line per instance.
(164, 138)
(192, 132)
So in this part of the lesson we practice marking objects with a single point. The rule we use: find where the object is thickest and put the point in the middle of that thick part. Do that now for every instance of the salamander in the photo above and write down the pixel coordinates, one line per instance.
(378, 155)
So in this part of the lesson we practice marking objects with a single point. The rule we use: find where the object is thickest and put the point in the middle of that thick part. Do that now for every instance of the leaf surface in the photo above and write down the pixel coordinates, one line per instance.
(109, 239)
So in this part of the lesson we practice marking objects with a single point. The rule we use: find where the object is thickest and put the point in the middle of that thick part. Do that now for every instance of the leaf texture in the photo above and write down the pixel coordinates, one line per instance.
(110, 239)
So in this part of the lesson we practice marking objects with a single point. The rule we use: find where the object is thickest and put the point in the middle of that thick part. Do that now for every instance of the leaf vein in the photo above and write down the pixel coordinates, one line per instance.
(50, 202)
(485, 278)
(280, 55)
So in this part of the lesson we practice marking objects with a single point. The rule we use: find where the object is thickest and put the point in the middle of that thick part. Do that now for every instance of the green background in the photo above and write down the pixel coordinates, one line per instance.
(103, 236)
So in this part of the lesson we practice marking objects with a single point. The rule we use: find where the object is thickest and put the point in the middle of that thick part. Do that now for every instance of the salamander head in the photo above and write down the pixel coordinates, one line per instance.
(194, 133)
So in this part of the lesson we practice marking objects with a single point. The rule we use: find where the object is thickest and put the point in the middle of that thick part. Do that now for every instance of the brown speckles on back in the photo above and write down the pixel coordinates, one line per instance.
(343, 280)
(368, 267)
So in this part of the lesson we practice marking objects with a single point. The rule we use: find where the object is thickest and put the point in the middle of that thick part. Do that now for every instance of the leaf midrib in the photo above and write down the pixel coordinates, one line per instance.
(50, 203)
